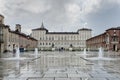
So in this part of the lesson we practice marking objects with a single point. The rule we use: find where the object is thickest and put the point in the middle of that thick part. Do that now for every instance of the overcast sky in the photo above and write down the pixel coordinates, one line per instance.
(62, 15)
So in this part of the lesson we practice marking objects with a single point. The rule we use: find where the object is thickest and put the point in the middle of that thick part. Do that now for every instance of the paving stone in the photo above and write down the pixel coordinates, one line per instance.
(74, 78)
(93, 78)
(100, 75)
(31, 75)
(93, 72)
(79, 75)
(57, 75)
(102, 72)
(68, 71)
(113, 78)
(80, 72)
(26, 71)
(67, 78)
(10, 78)
(116, 75)
(61, 71)
(41, 79)
(74, 68)
(62, 79)
(51, 71)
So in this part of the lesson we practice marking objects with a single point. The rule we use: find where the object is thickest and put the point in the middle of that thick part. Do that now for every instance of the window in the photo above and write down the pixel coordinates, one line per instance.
(49, 38)
(65, 38)
(114, 38)
(40, 38)
(52, 38)
(61, 38)
(58, 38)
(46, 38)
(1, 32)
(40, 43)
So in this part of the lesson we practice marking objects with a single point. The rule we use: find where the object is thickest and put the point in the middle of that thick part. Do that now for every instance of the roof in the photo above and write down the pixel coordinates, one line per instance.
(31, 37)
(41, 28)
(2, 25)
(61, 33)
(84, 29)
(96, 36)
(114, 28)
(5, 26)
(1, 15)
(23, 34)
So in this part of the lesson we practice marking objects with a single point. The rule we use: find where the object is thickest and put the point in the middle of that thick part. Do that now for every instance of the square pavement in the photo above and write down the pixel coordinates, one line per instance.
(60, 69)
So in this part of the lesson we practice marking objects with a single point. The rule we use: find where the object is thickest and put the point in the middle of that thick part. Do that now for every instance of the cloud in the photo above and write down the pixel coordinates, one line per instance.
(61, 15)
(89, 6)
(73, 11)
(106, 16)
(36, 6)
(2, 7)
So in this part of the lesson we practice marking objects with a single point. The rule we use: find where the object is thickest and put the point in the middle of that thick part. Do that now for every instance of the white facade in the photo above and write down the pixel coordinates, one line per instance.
(59, 40)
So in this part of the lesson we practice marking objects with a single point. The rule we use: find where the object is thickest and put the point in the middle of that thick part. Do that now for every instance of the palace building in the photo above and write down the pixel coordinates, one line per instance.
(61, 40)
(109, 40)
(10, 39)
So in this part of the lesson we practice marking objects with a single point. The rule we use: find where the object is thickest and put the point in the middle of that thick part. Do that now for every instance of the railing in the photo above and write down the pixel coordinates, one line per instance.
(115, 42)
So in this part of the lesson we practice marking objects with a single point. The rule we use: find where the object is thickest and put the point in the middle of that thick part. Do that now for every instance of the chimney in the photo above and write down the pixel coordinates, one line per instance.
(18, 28)
(1, 19)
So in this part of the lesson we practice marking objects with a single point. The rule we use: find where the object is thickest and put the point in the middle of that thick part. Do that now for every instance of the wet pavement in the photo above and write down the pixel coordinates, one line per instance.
(62, 66)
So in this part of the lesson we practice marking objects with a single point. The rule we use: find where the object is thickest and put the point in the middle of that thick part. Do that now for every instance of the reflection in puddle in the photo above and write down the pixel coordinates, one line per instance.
(56, 64)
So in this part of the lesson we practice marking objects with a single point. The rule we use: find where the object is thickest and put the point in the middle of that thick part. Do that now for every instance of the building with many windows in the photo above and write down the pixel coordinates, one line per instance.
(109, 40)
(10, 39)
(61, 40)
(1, 31)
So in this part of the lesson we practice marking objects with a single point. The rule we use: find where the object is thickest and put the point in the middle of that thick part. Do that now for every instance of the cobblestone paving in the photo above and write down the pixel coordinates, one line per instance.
(62, 66)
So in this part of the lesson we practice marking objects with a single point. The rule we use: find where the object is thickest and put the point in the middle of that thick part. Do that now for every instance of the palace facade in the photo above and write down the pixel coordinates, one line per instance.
(61, 40)
(109, 40)
(10, 39)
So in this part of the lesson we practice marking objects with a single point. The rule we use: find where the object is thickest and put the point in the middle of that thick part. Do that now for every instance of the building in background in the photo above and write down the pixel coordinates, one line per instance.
(10, 39)
(61, 40)
(109, 40)
(1, 31)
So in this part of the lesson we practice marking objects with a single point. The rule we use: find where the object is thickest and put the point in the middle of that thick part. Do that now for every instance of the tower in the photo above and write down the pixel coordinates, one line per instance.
(42, 26)
(18, 27)
(1, 19)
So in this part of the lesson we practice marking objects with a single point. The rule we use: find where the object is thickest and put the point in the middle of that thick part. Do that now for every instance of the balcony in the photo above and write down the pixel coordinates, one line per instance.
(114, 42)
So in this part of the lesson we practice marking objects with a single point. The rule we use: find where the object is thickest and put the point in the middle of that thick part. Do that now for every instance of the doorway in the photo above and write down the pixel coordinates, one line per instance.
(114, 47)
